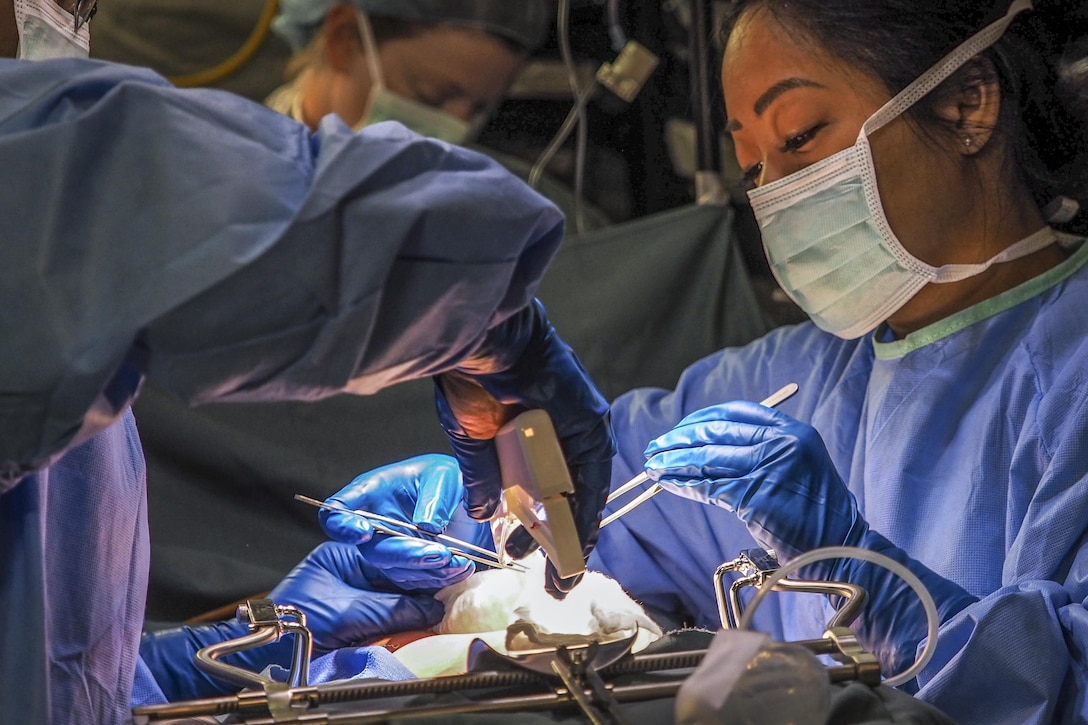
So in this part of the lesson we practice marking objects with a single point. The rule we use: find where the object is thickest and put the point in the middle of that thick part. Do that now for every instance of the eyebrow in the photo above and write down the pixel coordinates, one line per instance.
(770, 95)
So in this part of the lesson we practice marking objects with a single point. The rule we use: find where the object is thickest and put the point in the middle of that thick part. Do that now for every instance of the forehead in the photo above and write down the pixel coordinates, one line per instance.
(439, 40)
(761, 52)
(478, 61)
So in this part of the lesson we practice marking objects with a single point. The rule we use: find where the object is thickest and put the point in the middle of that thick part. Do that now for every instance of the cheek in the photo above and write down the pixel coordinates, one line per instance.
(894, 174)
(914, 185)
(9, 35)
(903, 163)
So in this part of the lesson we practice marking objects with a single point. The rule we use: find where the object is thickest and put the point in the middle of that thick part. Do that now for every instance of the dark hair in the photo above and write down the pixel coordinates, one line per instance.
(390, 28)
(1039, 63)
(384, 28)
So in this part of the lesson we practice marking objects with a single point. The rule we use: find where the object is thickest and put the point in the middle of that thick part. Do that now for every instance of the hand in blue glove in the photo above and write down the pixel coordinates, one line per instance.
(775, 473)
(347, 602)
(523, 365)
(426, 491)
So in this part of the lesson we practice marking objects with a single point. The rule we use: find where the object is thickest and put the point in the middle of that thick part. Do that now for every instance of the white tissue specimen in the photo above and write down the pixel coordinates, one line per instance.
(493, 599)
(482, 606)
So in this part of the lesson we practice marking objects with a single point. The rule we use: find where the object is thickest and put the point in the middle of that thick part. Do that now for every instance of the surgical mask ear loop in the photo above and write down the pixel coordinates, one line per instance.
(918, 89)
(942, 69)
(922, 86)
(374, 66)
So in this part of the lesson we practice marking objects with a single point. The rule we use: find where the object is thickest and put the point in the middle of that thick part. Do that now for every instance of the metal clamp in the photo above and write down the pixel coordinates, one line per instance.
(848, 650)
(266, 622)
(537, 488)
(757, 565)
(595, 675)
(584, 684)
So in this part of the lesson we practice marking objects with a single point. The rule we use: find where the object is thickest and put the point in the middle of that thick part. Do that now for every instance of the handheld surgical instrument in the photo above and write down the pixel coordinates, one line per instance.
(776, 398)
(459, 547)
(536, 485)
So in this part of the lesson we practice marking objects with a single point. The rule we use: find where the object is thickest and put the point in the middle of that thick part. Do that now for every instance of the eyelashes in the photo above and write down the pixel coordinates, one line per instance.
(793, 144)
(796, 142)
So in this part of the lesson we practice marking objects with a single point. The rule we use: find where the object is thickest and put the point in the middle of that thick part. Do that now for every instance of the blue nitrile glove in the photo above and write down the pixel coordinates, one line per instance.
(426, 491)
(523, 365)
(347, 602)
(775, 473)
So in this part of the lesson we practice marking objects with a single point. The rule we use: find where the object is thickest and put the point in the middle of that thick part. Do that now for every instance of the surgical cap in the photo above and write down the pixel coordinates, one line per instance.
(525, 22)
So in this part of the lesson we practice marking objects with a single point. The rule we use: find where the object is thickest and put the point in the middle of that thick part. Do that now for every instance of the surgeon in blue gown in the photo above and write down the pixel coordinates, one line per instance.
(212, 245)
(918, 211)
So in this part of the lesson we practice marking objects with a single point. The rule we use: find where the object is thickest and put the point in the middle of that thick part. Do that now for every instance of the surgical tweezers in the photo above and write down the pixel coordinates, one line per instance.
(776, 398)
(460, 548)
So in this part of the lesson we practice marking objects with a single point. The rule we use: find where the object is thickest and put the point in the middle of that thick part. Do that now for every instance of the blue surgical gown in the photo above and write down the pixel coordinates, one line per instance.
(965, 443)
(225, 252)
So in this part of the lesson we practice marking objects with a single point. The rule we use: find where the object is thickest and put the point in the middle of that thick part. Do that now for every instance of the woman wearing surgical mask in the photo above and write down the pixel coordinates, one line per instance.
(437, 66)
(916, 172)
(440, 67)
(913, 165)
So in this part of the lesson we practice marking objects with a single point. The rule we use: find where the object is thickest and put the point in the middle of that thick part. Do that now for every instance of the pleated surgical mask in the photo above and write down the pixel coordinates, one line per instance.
(46, 31)
(827, 239)
(385, 105)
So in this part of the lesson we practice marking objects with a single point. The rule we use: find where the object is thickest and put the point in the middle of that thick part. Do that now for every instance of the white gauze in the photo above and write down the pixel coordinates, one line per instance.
(485, 604)
(496, 598)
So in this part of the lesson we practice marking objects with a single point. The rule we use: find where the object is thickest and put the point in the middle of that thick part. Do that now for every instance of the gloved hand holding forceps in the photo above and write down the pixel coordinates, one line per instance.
(425, 491)
(774, 472)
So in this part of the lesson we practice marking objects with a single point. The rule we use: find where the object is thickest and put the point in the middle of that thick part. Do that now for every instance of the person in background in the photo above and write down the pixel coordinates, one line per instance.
(440, 67)
(445, 56)
(203, 242)
(918, 171)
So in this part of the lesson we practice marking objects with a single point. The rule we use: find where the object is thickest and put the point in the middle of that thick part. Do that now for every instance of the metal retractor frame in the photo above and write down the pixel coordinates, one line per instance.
(547, 673)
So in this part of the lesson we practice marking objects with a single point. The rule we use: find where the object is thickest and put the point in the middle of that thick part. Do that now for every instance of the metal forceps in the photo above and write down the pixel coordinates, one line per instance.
(460, 548)
(774, 399)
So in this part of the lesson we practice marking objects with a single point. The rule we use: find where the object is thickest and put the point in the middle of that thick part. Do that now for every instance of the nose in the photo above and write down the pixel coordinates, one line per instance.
(769, 172)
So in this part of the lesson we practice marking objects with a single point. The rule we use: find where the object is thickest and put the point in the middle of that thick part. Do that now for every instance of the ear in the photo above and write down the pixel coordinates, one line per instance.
(343, 44)
(974, 107)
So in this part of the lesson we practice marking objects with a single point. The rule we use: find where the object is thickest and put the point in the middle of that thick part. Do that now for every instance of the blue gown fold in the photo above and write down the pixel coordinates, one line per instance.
(225, 252)
(229, 254)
